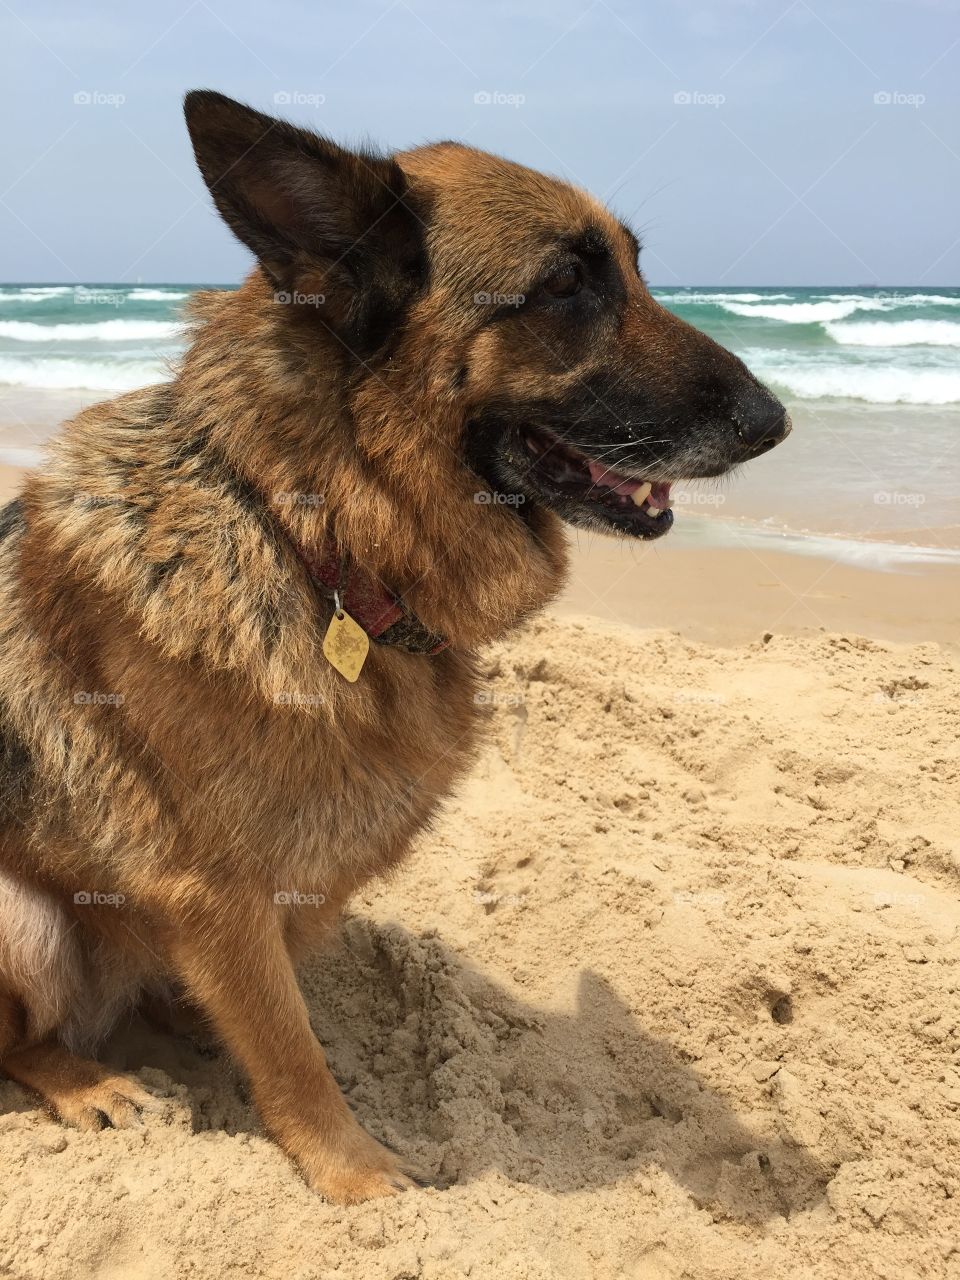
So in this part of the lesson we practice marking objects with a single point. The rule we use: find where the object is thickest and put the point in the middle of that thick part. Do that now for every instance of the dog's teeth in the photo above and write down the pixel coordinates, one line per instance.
(640, 495)
(653, 511)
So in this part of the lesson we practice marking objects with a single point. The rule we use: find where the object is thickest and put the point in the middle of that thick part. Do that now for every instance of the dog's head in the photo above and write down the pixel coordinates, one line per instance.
(513, 299)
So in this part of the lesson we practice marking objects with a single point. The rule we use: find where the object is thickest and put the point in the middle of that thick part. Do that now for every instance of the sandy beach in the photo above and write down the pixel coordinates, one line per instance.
(732, 595)
(671, 990)
(668, 988)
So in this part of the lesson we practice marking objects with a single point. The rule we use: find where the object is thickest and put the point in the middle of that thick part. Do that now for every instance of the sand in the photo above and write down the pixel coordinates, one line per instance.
(730, 595)
(670, 991)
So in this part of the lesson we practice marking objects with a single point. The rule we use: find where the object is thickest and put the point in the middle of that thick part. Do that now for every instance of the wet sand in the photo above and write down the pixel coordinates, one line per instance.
(726, 596)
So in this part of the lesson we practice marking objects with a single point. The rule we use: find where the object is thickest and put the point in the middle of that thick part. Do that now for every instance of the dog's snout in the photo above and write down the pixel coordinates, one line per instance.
(761, 419)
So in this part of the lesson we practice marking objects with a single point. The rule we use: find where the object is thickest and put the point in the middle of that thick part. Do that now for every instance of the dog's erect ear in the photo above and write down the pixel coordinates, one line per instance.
(314, 214)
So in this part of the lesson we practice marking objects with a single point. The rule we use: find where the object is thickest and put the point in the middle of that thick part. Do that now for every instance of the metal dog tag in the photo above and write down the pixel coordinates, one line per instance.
(346, 645)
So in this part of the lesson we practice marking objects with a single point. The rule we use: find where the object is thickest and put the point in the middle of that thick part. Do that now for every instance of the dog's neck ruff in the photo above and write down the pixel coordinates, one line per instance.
(363, 596)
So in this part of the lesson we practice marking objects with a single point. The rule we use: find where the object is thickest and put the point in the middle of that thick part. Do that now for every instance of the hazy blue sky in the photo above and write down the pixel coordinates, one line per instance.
(777, 163)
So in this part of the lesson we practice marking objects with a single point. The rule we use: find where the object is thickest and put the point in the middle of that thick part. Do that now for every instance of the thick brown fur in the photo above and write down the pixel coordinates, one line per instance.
(190, 791)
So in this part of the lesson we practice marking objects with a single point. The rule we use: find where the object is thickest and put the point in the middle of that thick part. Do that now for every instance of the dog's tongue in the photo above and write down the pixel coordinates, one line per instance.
(659, 491)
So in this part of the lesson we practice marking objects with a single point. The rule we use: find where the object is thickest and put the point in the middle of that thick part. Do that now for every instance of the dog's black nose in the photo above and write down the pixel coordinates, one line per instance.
(761, 420)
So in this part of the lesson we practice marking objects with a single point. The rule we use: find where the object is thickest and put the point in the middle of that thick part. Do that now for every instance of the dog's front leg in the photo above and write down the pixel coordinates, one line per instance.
(235, 965)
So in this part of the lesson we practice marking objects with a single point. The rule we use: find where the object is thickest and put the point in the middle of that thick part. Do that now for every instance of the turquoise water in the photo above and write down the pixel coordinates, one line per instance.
(89, 337)
(868, 346)
(871, 346)
(871, 377)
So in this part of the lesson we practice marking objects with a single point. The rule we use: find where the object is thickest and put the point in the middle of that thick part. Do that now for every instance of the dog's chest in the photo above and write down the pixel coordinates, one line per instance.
(339, 795)
(357, 809)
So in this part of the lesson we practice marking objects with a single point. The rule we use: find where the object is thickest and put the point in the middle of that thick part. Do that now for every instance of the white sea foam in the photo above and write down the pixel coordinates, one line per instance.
(805, 309)
(87, 375)
(695, 296)
(97, 331)
(877, 384)
(896, 333)
(888, 299)
(15, 457)
(127, 293)
(803, 312)
(877, 555)
(156, 295)
(36, 295)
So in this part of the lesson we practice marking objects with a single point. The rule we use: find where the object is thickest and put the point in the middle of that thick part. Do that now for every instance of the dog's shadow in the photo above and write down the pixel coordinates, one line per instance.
(448, 1067)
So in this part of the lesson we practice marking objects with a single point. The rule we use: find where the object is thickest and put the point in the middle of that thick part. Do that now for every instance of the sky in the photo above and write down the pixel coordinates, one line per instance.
(755, 142)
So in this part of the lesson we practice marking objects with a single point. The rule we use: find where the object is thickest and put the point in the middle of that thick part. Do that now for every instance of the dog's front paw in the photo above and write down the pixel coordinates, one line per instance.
(354, 1167)
(115, 1101)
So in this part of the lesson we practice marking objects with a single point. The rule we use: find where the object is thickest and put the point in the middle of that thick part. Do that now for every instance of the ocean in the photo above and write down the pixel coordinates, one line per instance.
(871, 377)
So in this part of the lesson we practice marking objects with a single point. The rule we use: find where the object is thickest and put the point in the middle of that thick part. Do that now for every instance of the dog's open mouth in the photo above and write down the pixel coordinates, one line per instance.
(640, 507)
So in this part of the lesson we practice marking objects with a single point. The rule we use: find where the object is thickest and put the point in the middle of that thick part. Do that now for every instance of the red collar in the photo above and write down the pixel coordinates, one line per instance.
(381, 614)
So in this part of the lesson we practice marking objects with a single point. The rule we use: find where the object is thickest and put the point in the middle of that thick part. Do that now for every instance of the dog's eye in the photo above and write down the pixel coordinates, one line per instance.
(564, 283)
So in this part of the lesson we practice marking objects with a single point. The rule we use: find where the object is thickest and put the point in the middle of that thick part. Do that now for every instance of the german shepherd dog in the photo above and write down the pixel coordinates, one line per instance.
(240, 610)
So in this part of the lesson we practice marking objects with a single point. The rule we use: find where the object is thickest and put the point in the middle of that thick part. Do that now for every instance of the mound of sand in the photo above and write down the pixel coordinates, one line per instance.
(671, 990)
